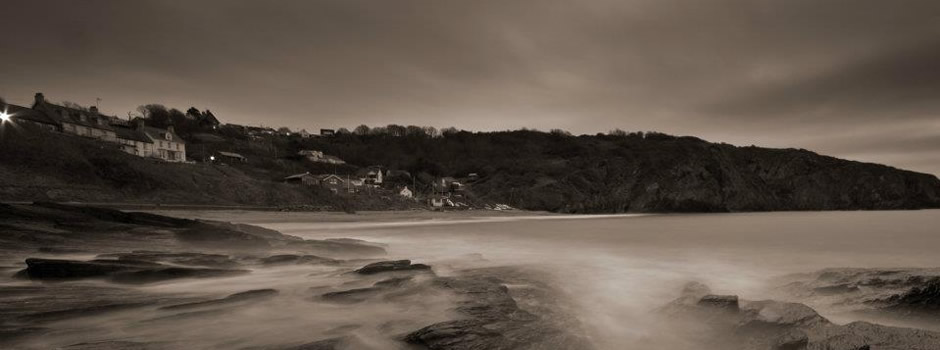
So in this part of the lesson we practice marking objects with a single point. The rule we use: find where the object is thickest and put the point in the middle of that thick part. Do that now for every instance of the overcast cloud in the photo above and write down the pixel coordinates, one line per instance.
(857, 79)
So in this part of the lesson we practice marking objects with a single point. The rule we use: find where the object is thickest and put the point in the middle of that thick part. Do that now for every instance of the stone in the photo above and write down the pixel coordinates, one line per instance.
(389, 266)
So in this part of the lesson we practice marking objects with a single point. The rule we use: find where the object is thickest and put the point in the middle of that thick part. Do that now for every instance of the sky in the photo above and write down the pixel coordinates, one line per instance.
(856, 79)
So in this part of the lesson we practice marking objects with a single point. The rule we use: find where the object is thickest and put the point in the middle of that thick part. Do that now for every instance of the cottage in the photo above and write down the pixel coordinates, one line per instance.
(73, 121)
(305, 179)
(332, 182)
(372, 175)
(140, 140)
(406, 192)
(166, 144)
(25, 116)
(134, 141)
(327, 132)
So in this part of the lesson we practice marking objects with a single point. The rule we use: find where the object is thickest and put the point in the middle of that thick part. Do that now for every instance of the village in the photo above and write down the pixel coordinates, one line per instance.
(199, 138)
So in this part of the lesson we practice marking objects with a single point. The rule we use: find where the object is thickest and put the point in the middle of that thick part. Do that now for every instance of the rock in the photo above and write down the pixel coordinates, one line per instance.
(721, 302)
(769, 324)
(492, 319)
(182, 258)
(294, 259)
(791, 340)
(389, 266)
(122, 271)
(251, 295)
(352, 295)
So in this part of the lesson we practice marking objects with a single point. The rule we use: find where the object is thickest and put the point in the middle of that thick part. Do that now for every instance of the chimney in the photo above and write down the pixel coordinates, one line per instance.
(169, 129)
(139, 123)
(40, 98)
(93, 109)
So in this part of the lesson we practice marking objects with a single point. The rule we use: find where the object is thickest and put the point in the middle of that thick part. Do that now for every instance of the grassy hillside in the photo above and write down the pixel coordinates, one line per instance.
(638, 172)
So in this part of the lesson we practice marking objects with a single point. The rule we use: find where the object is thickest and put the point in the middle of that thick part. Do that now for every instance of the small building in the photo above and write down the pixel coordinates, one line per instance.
(79, 122)
(305, 179)
(332, 182)
(372, 175)
(473, 176)
(406, 192)
(327, 132)
(133, 141)
(167, 145)
(22, 115)
(232, 156)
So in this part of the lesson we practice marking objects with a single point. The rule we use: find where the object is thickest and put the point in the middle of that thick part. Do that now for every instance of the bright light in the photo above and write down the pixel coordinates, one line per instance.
(211, 157)
(4, 117)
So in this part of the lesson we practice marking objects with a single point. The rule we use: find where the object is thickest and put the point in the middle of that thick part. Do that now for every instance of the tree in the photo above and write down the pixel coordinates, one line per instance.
(157, 115)
(449, 131)
(342, 131)
(362, 130)
(396, 130)
(193, 113)
(283, 130)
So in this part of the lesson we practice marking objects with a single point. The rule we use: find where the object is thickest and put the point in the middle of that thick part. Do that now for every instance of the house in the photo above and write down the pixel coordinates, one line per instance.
(331, 182)
(473, 176)
(303, 133)
(406, 192)
(22, 115)
(73, 121)
(207, 120)
(137, 140)
(447, 184)
(133, 140)
(372, 175)
(305, 179)
(167, 145)
(327, 132)
(232, 156)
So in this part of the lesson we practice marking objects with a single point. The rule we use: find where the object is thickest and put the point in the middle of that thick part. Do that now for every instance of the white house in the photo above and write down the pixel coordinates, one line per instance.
(406, 192)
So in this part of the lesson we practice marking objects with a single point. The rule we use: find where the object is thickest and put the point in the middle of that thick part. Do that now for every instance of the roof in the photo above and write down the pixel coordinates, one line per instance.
(127, 133)
(327, 176)
(157, 133)
(72, 115)
(297, 176)
(327, 156)
(230, 154)
(20, 112)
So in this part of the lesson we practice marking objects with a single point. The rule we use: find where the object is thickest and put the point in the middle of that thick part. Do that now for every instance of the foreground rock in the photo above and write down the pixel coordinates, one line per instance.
(391, 266)
(57, 228)
(528, 316)
(732, 324)
(898, 293)
(121, 271)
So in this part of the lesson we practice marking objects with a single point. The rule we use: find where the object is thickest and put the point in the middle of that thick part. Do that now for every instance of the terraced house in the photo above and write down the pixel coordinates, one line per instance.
(131, 137)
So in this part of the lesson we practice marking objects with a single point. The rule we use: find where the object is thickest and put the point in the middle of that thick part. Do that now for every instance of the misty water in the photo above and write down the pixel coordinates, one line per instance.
(613, 269)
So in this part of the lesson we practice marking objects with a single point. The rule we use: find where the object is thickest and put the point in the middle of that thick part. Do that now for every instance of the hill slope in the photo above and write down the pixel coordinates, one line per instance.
(533, 170)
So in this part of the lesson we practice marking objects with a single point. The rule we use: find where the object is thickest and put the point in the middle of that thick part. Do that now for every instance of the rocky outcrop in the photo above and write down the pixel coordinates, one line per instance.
(493, 317)
(768, 324)
(889, 292)
(391, 266)
(121, 271)
(58, 228)
(237, 298)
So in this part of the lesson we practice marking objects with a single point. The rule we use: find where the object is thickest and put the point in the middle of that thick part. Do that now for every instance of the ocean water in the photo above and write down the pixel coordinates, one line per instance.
(618, 268)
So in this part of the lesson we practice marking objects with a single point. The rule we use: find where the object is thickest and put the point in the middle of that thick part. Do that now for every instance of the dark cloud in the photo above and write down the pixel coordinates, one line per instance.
(798, 73)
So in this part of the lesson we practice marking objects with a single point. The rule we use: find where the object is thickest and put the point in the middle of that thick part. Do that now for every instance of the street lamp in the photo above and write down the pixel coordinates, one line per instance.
(4, 117)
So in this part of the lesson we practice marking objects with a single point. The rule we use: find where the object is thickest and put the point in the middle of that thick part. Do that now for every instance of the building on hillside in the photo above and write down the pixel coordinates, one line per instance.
(230, 156)
(73, 121)
(305, 179)
(372, 175)
(167, 145)
(207, 120)
(327, 132)
(303, 133)
(24, 115)
(406, 192)
(133, 141)
(137, 139)
(332, 182)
